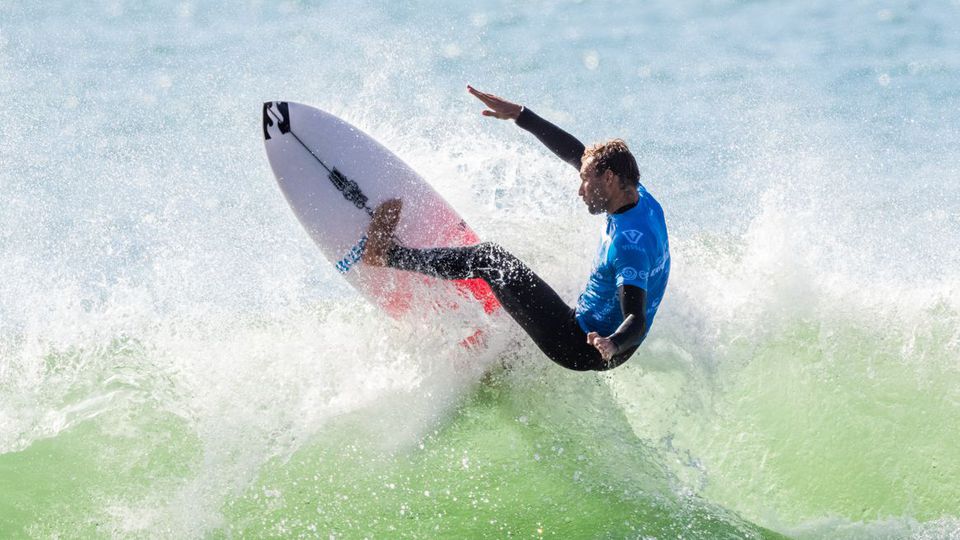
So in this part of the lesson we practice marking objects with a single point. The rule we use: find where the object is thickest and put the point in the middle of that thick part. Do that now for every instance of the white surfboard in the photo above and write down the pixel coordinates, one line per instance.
(334, 175)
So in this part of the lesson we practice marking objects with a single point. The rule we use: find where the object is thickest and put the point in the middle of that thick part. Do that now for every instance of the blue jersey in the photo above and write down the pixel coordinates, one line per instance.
(633, 251)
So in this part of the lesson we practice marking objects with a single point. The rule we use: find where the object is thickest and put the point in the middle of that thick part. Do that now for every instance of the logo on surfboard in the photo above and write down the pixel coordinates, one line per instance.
(278, 113)
(350, 189)
(281, 114)
(354, 255)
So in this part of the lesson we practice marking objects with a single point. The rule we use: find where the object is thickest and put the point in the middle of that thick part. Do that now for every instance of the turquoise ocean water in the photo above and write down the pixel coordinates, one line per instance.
(177, 360)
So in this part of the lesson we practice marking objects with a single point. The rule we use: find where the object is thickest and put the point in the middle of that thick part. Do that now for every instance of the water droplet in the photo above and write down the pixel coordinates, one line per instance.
(591, 60)
(451, 50)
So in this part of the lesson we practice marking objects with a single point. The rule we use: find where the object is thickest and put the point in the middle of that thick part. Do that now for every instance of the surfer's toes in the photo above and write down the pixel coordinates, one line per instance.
(380, 234)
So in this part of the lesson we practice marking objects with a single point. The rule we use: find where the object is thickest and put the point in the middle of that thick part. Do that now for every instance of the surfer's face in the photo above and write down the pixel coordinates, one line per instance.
(595, 188)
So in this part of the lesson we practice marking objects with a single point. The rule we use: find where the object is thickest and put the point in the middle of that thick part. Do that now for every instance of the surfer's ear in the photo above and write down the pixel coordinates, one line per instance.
(610, 177)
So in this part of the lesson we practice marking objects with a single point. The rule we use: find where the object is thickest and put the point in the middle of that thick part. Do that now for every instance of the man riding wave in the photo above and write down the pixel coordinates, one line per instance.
(617, 306)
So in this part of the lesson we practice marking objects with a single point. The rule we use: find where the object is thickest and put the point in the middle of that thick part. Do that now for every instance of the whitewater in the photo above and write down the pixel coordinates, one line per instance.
(177, 359)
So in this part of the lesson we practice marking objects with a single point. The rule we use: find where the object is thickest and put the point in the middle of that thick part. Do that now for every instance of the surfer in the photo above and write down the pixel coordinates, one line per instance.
(617, 306)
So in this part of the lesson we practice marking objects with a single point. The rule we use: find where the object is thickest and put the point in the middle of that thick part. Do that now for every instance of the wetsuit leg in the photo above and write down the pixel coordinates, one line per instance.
(539, 310)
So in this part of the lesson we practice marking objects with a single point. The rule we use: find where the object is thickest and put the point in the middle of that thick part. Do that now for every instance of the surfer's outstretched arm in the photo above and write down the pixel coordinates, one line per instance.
(564, 145)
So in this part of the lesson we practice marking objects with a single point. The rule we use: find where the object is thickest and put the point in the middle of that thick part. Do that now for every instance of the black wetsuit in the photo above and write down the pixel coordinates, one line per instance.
(539, 310)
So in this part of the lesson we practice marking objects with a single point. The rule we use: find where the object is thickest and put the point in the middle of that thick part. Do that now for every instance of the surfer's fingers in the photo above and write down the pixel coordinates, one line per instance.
(479, 95)
(497, 100)
(492, 103)
(490, 100)
(506, 110)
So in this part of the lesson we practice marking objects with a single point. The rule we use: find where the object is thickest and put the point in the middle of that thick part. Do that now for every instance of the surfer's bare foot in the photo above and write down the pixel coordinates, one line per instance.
(380, 234)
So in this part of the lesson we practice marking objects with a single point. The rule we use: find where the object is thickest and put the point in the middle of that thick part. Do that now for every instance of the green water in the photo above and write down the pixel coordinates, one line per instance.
(816, 430)
(515, 457)
(73, 485)
(813, 428)
(504, 467)
(836, 427)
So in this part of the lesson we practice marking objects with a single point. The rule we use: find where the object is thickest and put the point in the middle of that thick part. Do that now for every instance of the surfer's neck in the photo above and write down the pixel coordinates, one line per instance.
(621, 204)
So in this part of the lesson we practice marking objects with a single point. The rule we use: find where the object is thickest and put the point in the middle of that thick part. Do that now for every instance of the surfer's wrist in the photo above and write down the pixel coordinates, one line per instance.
(617, 339)
(522, 114)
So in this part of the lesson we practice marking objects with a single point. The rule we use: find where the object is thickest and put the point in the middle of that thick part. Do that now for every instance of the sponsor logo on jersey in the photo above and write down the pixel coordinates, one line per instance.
(629, 273)
(661, 264)
(633, 235)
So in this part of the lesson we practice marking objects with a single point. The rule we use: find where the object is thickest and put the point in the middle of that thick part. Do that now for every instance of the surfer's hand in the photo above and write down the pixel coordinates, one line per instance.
(497, 106)
(606, 346)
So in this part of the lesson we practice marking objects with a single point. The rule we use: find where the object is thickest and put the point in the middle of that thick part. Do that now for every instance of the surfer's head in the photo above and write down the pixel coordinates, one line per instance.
(608, 176)
(614, 156)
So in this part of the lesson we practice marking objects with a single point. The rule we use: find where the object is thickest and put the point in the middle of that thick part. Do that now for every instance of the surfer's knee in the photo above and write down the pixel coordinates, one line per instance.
(492, 254)
(490, 248)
